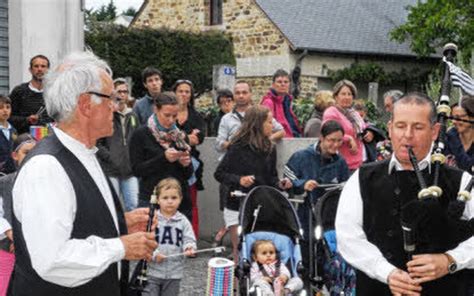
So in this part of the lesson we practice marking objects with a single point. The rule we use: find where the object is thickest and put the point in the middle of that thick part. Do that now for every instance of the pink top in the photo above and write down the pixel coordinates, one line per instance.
(353, 160)
(275, 104)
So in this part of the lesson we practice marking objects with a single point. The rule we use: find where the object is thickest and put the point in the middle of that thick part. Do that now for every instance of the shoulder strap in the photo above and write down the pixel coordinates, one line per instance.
(239, 116)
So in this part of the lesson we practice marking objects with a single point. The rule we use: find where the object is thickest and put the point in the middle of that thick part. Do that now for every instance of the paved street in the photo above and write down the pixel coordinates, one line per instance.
(194, 281)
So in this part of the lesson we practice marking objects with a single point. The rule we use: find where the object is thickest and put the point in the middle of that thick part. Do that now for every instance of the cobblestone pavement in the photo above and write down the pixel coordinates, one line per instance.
(194, 281)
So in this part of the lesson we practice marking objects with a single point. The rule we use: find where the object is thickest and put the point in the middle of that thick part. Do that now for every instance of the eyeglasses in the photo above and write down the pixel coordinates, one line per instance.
(122, 91)
(225, 100)
(110, 97)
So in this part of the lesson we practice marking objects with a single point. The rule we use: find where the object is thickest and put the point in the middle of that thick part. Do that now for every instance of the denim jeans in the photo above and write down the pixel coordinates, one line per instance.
(127, 188)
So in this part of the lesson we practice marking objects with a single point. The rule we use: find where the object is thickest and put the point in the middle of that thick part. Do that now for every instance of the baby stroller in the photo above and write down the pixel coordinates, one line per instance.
(330, 269)
(267, 214)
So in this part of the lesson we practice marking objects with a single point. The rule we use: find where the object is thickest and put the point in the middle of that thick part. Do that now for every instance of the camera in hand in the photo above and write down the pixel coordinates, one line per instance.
(180, 145)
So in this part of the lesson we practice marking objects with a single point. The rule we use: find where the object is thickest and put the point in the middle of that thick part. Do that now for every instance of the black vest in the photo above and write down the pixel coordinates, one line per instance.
(384, 197)
(92, 218)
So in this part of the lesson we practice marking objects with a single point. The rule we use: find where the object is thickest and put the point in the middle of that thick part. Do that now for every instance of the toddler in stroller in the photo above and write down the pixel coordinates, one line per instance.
(267, 272)
(266, 214)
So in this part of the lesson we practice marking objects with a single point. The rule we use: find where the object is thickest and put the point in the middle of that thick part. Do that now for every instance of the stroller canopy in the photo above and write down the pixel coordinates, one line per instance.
(276, 213)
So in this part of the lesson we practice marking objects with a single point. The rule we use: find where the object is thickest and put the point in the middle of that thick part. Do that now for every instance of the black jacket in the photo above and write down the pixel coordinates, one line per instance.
(243, 160)
(195, 121)
(7, 165)
(149, 163)
(216, 122)
(113, 151)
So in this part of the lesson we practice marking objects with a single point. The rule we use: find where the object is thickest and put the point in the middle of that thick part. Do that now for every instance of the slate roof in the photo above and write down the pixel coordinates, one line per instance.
(340, 26)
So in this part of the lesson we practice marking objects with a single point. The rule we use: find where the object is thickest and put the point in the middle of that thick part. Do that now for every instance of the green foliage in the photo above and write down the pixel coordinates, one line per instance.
(432, 23)
(209, 113)
(303, 109)
(372, 72)
(179, 55)
(130, 11)
(104, 13)
(433, 86)
(374, 115)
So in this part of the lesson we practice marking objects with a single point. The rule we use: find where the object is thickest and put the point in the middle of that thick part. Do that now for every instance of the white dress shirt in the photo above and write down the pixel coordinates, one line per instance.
(44, 202)
(359, 252)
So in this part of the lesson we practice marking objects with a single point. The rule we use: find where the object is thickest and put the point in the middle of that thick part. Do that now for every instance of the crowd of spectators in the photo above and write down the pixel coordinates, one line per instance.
(159, 138)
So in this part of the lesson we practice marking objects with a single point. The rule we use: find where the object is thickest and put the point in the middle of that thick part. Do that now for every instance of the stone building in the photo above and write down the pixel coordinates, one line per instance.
(271, 34)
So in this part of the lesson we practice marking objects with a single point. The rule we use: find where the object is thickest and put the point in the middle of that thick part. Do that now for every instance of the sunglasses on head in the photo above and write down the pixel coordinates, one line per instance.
(179, 81)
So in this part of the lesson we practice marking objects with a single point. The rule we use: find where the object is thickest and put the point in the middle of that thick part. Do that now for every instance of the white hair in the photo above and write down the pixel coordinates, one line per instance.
(78, 73)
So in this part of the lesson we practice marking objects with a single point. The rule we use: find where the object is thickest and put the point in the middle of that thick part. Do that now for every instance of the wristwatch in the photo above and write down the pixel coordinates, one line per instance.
(452, 266)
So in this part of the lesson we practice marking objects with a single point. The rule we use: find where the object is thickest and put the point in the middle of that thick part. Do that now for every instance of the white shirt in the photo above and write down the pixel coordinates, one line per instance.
(34, 88)
(6, 130)
(44, 202)
(365, 256)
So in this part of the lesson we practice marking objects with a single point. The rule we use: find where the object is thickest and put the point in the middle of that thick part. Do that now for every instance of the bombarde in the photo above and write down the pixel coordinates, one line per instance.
(139, 278)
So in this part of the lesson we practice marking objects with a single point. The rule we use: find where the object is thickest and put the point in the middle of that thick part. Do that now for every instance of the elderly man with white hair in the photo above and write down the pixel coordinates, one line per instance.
(70, 231)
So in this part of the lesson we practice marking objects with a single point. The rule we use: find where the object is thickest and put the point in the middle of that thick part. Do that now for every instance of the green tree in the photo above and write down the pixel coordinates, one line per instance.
(130, 11)
(432, 23)
(106, 12)
(179, 55)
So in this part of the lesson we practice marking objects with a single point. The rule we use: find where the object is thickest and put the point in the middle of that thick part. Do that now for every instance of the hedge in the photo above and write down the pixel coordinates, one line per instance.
(178, 55)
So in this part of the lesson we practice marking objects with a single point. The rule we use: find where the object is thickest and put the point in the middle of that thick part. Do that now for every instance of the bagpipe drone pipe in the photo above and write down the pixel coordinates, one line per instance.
(433, 222)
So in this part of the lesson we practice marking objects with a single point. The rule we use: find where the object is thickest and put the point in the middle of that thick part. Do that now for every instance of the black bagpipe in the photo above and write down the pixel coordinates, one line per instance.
(139, 278)
(432, 223)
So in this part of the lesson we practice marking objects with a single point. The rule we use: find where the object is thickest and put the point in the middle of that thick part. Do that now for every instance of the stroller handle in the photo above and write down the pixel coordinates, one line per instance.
(238, 193)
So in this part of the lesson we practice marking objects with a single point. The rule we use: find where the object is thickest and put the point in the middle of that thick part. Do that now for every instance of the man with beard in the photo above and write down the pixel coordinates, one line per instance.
(27, 98)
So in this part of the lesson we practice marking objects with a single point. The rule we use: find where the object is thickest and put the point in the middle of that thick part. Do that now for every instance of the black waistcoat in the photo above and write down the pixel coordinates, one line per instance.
(384, 197)
(92, 218)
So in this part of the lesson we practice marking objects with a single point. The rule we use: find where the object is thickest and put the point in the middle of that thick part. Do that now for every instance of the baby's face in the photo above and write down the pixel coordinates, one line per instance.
(266, 253)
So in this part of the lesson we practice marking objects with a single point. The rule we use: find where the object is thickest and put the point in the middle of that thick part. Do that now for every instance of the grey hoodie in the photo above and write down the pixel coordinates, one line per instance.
(173, 235)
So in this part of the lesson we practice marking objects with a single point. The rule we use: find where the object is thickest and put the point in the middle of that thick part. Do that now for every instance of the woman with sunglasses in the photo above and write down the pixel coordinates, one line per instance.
(192, 123)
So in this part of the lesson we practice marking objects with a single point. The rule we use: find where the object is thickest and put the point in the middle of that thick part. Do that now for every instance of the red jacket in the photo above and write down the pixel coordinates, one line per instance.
(275, 104)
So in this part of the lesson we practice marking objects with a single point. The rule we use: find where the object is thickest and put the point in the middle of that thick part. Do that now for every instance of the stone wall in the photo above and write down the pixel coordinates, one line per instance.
(253, 34)
(259, 86)
(308, 86)
(187, 15)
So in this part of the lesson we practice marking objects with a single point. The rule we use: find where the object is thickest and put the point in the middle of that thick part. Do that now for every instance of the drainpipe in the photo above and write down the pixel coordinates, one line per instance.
(295, 75)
